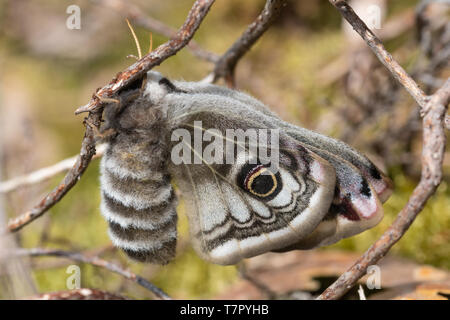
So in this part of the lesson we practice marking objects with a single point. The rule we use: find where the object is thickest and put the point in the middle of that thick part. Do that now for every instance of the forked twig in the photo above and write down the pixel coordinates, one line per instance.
(226, 64)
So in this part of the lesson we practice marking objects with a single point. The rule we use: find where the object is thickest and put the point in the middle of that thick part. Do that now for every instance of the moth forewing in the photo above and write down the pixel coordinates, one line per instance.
(376, 178)
(228, 220)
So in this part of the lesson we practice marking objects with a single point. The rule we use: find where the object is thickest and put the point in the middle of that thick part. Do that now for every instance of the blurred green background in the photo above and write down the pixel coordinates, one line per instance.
(47, 71)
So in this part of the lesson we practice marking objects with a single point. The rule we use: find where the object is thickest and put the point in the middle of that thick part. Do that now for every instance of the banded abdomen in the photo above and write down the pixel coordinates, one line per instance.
(138, 200)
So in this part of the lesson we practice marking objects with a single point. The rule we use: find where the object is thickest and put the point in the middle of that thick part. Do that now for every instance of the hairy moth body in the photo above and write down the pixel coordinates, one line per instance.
(137, 198)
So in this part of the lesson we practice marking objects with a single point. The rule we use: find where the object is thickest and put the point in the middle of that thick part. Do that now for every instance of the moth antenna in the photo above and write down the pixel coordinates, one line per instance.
(144, 79)
(150, 47)
(136, 41)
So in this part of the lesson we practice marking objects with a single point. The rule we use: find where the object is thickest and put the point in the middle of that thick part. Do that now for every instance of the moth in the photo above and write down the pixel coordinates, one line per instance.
(320, 190)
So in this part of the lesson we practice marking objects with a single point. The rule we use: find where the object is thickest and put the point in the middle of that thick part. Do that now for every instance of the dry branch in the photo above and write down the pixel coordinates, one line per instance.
(382, 54)
(71, 178)
(226, 65)
(136, 15)
(264, 289)
(432, 158)
(44, 173)
(93, 260)
(154, 58)
(433, 110)
(392, 28)
(95, 108)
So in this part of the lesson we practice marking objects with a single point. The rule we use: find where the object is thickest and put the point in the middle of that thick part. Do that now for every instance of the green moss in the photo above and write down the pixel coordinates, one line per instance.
(190, 277)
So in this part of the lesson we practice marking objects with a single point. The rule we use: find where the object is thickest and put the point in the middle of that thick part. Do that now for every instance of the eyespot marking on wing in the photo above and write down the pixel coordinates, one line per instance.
(259, 180)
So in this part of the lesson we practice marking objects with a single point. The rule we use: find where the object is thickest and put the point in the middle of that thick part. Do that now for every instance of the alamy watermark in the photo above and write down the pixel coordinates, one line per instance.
(74, 280)
(73, 21)
(372, 17)
(236, 146)
(374, 279)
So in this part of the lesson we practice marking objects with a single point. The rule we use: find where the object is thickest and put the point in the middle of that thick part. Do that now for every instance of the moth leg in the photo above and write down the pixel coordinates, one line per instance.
(113, 110)
(107, 100)
(117, 104)
(99, 134)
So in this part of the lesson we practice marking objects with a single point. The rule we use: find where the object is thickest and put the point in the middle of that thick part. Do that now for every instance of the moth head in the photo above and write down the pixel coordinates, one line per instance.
(137, 107)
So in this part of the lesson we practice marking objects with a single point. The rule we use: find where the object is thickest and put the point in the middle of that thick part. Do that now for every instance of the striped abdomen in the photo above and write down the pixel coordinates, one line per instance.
(138, 202)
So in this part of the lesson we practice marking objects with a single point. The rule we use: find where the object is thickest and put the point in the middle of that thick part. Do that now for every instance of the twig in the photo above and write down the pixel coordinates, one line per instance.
(226, 65)
(93, 260)
(392, 28)
(86, 153)
(43, 173)
(95, 108)
(135, 14)
(269, 293)
(154, 58)
(377, 47)
(423, 26)
(433, 110)
(432, 158)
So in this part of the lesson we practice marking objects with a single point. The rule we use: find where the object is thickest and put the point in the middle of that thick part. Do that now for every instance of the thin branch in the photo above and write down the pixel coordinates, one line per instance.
(433, 110)
(265, 290)
(432, 158)
(377, 47)
(95, 108)
(424, 32)
(226, 65)
(44, 173)
(154, 58)
(86, 153)
(392, 28)
(135, 14)
(93, 260)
